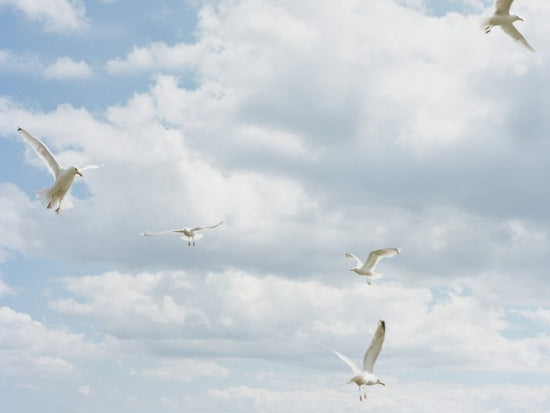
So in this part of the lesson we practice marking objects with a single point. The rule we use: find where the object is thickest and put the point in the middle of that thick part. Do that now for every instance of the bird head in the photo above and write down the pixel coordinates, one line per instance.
(517, 18)
(378, 381)
(76, 171)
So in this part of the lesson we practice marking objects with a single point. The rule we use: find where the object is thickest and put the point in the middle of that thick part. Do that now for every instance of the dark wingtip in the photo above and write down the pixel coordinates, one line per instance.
(19, 129)
(383, 324)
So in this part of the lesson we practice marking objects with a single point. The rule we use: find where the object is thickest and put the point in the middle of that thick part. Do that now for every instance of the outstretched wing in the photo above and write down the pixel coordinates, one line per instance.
(346, 360)
(90, 167)
(42, 150)
(170, 231)
(516, 35)
(377, 255)
(375, 346)
(357, 260)
(503, 6)
(213, 226)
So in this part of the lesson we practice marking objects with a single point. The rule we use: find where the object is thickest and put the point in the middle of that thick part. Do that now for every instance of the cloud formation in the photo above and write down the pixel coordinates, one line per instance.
(58, 16)
(66, 68)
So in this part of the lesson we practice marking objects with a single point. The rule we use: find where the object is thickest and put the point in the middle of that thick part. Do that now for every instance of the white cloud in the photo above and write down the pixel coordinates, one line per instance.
(56, 15)
(397, 397)
(5, 289)
(185, 370)
(66, 68)
(29, 348)
(14, 205)
(245, 313)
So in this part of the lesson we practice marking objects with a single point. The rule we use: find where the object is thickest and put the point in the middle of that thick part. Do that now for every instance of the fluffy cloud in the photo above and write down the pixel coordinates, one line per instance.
(312, 130)
(410, 398)
(66, 68)
(56, 15)
(184, 370)
(171, 311)
(5, 289)
(28, 347)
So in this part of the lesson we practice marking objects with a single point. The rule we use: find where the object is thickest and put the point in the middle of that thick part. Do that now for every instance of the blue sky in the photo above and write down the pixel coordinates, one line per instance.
(312, 129)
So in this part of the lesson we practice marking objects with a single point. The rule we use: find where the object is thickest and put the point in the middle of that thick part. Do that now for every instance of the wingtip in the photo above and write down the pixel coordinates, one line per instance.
(399, 250)
(382, 323)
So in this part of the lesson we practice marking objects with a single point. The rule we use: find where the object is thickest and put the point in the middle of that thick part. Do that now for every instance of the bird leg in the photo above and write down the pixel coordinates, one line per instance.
(362, 393)
(58, 210)
(488, 28)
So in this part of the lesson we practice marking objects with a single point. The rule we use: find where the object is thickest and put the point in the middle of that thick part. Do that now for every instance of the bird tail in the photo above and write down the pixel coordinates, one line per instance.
(44, 197)
(50, 201)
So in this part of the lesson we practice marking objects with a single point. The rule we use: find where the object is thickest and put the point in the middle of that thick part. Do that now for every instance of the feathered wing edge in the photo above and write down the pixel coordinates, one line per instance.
(374, 347)
(41, 149)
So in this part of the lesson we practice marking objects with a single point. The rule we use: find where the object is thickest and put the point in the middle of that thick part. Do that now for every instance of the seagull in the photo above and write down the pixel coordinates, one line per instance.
(502, 18)
(64, 177)
(189, 233)
(366, 377)
(367, 269)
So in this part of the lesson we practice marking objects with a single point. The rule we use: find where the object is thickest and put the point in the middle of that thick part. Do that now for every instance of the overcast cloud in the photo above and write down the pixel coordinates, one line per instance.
(311, 129)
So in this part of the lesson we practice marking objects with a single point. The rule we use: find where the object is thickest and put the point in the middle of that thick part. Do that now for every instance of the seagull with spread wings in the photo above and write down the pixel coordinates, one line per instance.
(365, 377)
(64, 177)
(502, 18)
(189, 233)
(367, 269)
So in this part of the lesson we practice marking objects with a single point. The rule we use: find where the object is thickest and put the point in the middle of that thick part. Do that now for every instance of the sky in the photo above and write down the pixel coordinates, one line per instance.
(311, 129)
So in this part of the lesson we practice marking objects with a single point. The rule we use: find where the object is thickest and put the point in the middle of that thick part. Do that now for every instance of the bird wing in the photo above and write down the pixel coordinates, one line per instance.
(374, 347)
(516, 35)
(377, 255)
(42, 150)
(213, 226)
(350, 255)
(148, 234)
(90, 167)
(503, 6)
(346, 360)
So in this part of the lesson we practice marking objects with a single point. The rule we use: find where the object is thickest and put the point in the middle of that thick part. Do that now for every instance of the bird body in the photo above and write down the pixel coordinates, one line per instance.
(64, 177)
(367, 269)
(365, 376)
(60, 188)
(505, 20)
(189, 234)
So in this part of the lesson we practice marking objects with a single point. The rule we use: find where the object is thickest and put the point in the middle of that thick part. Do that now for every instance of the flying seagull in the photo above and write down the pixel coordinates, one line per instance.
(502, 18)
(366, 377)
(367, 269)
(189, 233)
(64, 177)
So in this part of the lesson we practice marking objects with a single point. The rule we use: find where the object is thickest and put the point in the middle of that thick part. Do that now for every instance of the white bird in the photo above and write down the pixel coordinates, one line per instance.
(189, 233)
(502, 18)
(64, 177)
(367, 269)
(366, 377)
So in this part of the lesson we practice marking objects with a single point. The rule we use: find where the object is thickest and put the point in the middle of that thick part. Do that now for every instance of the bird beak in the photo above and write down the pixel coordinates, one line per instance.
(382, 383)
(520, 19)
(79, 173)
